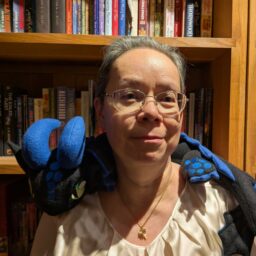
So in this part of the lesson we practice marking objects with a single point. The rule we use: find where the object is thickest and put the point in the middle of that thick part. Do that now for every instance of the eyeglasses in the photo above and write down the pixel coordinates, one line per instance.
(169, 103)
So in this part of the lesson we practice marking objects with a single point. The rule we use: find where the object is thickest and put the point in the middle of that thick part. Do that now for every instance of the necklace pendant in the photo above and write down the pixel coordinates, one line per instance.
(142, 234)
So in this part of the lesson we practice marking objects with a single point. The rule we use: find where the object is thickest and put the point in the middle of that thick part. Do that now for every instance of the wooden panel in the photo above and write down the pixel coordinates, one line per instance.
(250, 164)
(9, 165)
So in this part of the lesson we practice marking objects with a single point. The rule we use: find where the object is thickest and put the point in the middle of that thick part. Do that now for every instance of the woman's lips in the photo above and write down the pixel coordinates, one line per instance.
(152, 139)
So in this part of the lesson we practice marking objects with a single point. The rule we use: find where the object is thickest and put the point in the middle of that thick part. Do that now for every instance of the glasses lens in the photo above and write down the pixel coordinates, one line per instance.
(128, 99)
(170, 102)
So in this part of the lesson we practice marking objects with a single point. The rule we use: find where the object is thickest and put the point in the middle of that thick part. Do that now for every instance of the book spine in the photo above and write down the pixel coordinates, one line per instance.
(197, 18)
(7, 16)
(168, 29)
(8, 119)
(87, 17)
(158, 30)
(29, 16)
(58, 16)
(135, 17)
(15, 16)
(69, 16)
(24, 100)
(152, 18)
(143, 18)
(83, 16)
(61, 106)
(43, 16)
(74, 17)
(70, 103)
(91, 112)
(206, 18)
(38, 109)
(189, 18)
(115, 17)
(191, 114)
(21, 15)
(199, 115)
(101, 17)
(3, 220)
(91, 17)
(79, 17)
(1, 122)
(46, 102)
(85, 110)
(178, 18)
(2, 19)
(96, 17)
(207, 137)
(108, 17)
(18, 117)
(122, 17)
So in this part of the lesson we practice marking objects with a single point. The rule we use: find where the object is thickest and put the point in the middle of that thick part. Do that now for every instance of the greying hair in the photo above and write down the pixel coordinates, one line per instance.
(126, 43)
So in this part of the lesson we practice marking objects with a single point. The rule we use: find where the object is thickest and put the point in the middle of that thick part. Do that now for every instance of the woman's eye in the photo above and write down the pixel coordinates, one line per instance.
(167, 99)
(129, 96)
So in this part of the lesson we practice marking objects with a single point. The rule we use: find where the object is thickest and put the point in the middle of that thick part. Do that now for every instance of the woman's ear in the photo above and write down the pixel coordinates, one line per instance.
(98, 107)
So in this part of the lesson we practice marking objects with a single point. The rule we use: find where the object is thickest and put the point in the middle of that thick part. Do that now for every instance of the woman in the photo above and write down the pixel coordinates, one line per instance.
(153, 210)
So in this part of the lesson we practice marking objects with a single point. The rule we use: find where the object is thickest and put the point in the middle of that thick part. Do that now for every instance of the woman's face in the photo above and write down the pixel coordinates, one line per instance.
(146, 135)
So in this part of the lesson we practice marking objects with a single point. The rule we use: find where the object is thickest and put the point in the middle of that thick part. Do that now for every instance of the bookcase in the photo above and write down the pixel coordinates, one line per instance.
(35, 60)
(250, 137)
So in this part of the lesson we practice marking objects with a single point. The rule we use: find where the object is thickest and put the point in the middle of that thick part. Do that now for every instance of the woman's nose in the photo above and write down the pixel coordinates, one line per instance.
(149, 111)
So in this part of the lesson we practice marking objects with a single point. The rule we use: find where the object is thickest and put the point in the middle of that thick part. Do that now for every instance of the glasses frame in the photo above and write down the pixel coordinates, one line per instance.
(184, 98)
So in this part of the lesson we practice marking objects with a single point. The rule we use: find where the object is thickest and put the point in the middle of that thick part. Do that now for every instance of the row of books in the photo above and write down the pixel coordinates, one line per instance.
(19, 218)
(197, 121)
(169, 18)
(18, 111)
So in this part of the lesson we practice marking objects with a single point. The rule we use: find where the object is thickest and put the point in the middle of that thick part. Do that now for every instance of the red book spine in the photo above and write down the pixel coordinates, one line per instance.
(7, 16)
(115, 17)
(69, 17)
(21, 16)
(143, 18)
(178, 18)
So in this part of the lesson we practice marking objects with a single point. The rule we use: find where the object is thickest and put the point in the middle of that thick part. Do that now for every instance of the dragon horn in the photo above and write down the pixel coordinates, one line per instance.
(35, 146)
(71, 144)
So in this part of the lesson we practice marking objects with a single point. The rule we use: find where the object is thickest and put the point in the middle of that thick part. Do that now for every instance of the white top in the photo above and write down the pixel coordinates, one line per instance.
(192, 229)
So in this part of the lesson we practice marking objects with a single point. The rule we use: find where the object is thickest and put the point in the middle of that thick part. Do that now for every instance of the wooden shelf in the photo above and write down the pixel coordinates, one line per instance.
(9, 165)
(82, 48)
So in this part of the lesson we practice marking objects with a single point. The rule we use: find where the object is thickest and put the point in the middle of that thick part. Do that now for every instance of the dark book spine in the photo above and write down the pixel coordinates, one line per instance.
(58, 16)
(18, 117)
(197, 18)
(1, 122)
(43, 16)
(8, 119)
(189, 18)
(30, 18)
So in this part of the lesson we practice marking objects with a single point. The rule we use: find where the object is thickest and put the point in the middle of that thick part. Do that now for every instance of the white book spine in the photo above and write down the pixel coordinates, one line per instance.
(108, 17)
(168, 18)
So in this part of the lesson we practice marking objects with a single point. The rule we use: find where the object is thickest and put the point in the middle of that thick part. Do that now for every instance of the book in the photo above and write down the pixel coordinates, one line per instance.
(7, 15)
(197, 18)
(69, 16)
(122, 18)
(43, 24)
(96, 17)
(168, 23)
(189, 18)
(152, 5)
(208, 108)
(143, 18)
(108, 17)
(2, 19)
(115, 13)
(191, 114)
(38, 109)
(133, 6)
(74, 17)
(58, 16)
(29, 16)
(178, 18)
(85, 111)
(206, 18)
(1, 122)
(158, 30)
(79, 16)
(101, 17)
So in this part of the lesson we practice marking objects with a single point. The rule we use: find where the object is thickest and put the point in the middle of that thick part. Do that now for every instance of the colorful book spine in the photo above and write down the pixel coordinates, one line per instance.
(1, 122)
(58, 16)
(115, 17)
(2, 20)
(96, 17)
(189, 18)
(7, 16)
(15, 16)
(21, 16)
(69, 16)
(101, 17)
(133, 6)
(206, 18)
(29, 16)
(122, 18)
(38, 109)
(43, 16)
(74, 17)
(85, 16)
(79, 17)
(168, 29)
(178, 24)
(108, 17)
(143, 18)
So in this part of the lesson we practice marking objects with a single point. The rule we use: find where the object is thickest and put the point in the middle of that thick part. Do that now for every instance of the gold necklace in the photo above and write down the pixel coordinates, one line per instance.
(142, 233)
